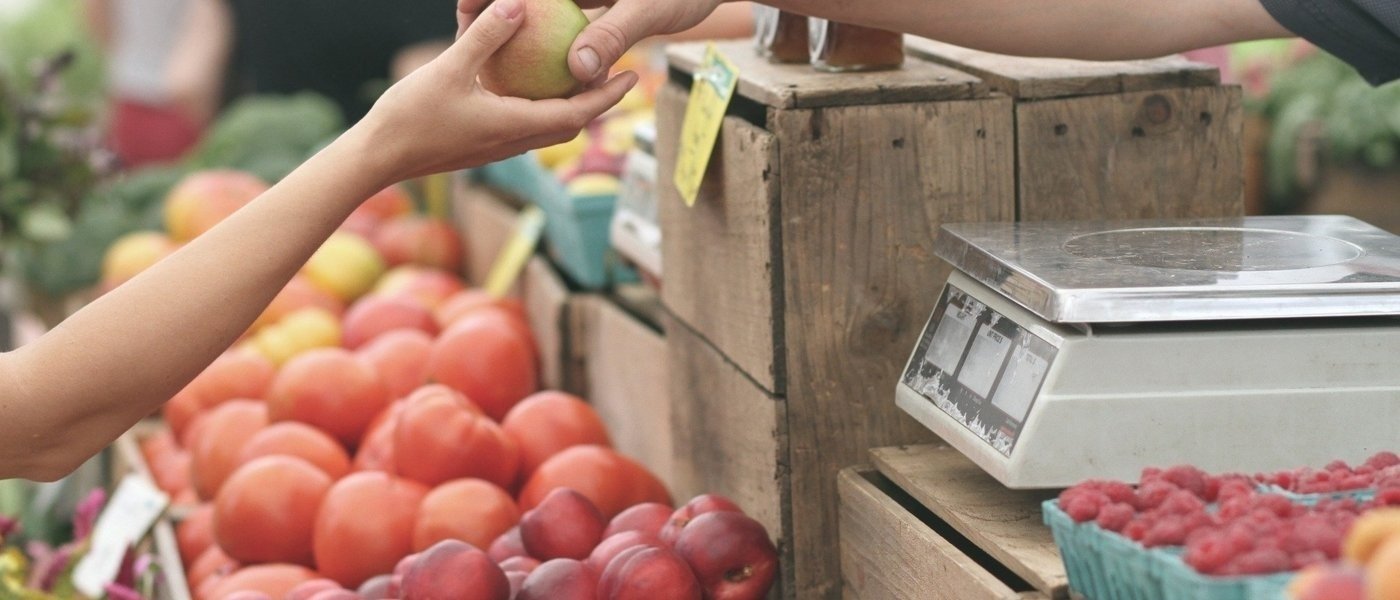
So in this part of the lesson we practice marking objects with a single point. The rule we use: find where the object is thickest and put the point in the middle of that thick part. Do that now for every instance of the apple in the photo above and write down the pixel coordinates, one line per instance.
(533, 63)
(648, 517)
(566, 524)
(730, 554)
(648, 573)
(560, 579)
(453, 570)
(699, 505)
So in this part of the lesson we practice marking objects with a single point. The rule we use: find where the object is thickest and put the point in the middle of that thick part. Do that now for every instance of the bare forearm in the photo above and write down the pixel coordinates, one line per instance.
(121, 357)
(1086, 29)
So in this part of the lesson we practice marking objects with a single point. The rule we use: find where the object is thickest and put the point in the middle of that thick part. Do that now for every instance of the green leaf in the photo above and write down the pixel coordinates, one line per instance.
(46, 223)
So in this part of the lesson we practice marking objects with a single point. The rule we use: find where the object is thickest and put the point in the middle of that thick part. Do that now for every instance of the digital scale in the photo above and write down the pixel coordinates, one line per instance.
(1060, 352)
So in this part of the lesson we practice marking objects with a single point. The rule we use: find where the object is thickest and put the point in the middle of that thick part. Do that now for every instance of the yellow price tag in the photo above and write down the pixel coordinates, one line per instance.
(516, 252)
(709, 98)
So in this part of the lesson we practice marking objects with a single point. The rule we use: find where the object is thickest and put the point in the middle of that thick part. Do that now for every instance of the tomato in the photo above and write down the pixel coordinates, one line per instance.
(365, 526)
(302, 441)
(266, 510)
(195, 533)
(219, 445)
(401, 359)
(274, 580)
(439, 438)
(548, 422)
(389, 202)
(236, 375)
(484, 357)
(612, 481)
(376, 452)
(471, 510)
(172, 471)
(463, 303)
(212, 563)
(330, 389)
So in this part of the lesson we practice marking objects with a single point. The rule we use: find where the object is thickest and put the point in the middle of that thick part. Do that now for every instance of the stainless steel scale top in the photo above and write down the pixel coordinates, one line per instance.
(1183, 270)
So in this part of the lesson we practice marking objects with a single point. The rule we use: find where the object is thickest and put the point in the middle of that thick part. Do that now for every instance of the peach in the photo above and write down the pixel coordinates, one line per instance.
(427, 286)
(648, 517)
(533, 64)
(373, 316)
(508, 545)
(341, 594)
(387, 203)
(453, 570)
(486, 358)
(301, 441)
(441, 436)
(730, 554)
(298, 294)
(565, 525)
(304, 330)
(236, 374)
(647, 573)
(1383, 571)
(616, 544)
(468, 302)
(560, 579)
(401, 359)
(412, 239)
(1368, 532)
(524, 564)
(699, 505)
(307, 590)
(199, 201)
(548, 422)
(331, 389)
(133, 253)
(220, 443)
(375, 588)
(345, 266)
(275, 580)
(470, 510)
(195, 533)
(376, 451)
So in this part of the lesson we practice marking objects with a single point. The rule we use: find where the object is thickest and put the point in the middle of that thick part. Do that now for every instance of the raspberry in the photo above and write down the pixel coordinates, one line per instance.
(1136, 529)
(1234, 488)
(1153, 493)
(1188, 478)
(1278, 505)
(1354, 482)
(1235, 507)
(1338, 466)
(1116, 516)
(1085, 507)
(1260, 562)
(1314, 533)
(1149, 474)
(1382, 460)
(1116, 491)
(1387, 497)
(1170, 531)
(1182, 502)
(1240, 538)
(1209, 554)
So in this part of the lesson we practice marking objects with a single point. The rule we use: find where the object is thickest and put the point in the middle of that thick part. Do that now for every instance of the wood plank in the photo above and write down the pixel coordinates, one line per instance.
(864, 191)
(720, 271)
(729, 435)
(626, 364)
(801, 86)
(1170, 153)
(1043, 78)
(1003, 522)
(485, 222)
(889, 553)
(546, 297)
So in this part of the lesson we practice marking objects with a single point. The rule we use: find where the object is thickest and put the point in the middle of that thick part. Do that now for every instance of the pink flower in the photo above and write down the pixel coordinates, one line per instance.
(85, 515)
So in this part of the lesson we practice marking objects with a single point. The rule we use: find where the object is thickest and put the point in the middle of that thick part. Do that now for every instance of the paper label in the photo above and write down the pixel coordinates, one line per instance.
(128, 516)
(710, 94)
(516, 252)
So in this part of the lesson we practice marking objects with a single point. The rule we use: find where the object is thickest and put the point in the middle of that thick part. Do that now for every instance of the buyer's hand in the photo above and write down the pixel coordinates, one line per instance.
(625, 24)
(440, 119)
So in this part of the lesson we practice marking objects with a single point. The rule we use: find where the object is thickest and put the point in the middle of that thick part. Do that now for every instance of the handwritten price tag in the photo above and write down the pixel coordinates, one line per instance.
(709, 98)
(516, 252)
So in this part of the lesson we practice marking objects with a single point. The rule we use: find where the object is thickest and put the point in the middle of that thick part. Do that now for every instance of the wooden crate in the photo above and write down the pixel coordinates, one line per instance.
(1115, 140)
(928, 523)
(806, 268)
(624, 375)
(127, 460)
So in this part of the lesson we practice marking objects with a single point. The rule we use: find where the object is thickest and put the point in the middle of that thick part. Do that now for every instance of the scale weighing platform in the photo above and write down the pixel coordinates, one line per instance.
(1060, 352)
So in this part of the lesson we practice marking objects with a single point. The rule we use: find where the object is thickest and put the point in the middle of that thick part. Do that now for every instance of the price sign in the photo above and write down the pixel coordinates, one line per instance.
(710, 94)
(132, 510)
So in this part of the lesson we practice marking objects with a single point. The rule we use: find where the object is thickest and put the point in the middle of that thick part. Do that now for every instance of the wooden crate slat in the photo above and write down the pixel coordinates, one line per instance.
(865, 189)
(801, 86)
(546, 299)
(487, 223)
(719, 274)
(1005, 523)
(1168, 153)
(1042, 78)
(903, 557)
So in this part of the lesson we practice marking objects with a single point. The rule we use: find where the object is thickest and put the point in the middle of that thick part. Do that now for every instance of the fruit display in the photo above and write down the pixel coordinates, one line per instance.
(1326, 523)
(380, 433)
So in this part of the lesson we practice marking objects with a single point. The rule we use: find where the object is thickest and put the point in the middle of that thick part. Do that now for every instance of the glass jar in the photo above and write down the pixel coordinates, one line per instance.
(781, 36)
(842, 47)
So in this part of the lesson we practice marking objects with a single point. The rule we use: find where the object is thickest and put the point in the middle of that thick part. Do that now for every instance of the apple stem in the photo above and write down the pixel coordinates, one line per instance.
(737, 575)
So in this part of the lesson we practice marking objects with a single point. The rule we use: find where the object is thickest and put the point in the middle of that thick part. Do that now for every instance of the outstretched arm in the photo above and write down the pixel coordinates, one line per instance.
(70, 393)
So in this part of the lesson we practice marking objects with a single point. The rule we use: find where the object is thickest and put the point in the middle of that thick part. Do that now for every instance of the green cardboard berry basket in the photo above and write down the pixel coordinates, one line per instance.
(1181, 582)
(1103, 565)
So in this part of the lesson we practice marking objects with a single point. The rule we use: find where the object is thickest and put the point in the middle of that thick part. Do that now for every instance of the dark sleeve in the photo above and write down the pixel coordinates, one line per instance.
(1364, 33)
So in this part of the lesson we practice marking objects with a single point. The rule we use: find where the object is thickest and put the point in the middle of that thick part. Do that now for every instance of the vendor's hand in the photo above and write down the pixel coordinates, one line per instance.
(440, 119)
(625, 24)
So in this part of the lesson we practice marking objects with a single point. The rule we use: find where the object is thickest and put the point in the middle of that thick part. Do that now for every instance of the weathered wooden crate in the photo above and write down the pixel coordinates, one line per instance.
(929, 524)
(1115, 140)
(128, 461)
(800, 278)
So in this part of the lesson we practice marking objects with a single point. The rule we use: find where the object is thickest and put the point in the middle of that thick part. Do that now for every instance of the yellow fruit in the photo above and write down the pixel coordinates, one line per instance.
(346, 266)
(1383, 571)
(1369, 531)
(132, 254)
(553, 156)
(304, 330)
(594, 184)
(199, 201)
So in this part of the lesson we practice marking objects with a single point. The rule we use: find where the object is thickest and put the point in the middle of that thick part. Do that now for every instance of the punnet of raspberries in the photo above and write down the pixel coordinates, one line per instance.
(1227, 526)
(1379, 471)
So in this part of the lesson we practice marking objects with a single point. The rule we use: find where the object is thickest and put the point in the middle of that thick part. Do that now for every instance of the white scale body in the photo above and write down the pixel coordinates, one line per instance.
(1060, 352)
